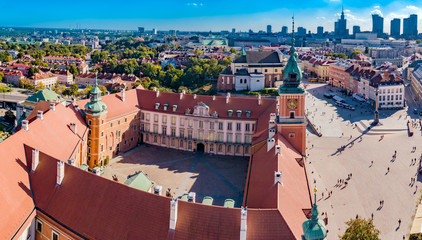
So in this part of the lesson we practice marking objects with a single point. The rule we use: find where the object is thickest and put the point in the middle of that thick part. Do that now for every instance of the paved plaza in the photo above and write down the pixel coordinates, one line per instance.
(220, 177)
(376, 175)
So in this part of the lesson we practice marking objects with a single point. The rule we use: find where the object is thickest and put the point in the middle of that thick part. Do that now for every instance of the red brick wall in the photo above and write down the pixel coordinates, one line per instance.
(226, 86)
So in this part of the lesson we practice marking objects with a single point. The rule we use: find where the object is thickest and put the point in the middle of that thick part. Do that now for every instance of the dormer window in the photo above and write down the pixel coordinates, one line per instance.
(157, 106)
(230, 113)
(248, 114)
(174, 107)
(293, 76)
(239, 113)
(165, 107)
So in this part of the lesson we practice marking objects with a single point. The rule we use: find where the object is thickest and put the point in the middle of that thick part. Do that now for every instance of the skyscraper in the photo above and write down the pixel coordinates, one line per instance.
(377, 24)
(410, 26)
(356, 29)
(141, 30)
(233, 30)
(395, 27)
(340, 27)
(301, 31)
(269, 29)
(320, 31)
(284, 30)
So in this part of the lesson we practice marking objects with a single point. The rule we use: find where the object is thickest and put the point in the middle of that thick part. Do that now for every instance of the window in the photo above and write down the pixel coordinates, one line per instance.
(164, 119)
(142, 116)
(102, 133)
(248, 114)
(211, 136)
(125, 142)
(220, 137)
(266, 70)
(118, 133)
(111, 124)
(157, 106)
(146, 127)
(190, 123)
(174, 107)
(173, 132)
(291, 135)
(238, 138)
(89, 150)
(147, 137)
(163, 140)
(131, 139)
(211, 147)
(102, 121)
(147, 117)
(89, 142)
(220, 126)
(246, 150)
(276, 70)
(155, 118)
(118, 122)
(155, 128)
(229, 138)
(247, 139)
(247, 127)
(89, 122)
(165, 107)
(219, 148)
(212, 125)
(190, 145)
(230, 113)
(89, 132)
(229, 126)
(55, 235)
(164, 130)
(182, 133)
(292, 114)
(155, 139)
(173, 120)
(238, 126)
(201, 135)
(172, 142)
(239, 113)
(229, 148)
(134, 127)
(102, 147)
(125, 119)
(39, 226)
(180, 143)
(182, 122)
(189, 134)
(237, 149)
(201, 124)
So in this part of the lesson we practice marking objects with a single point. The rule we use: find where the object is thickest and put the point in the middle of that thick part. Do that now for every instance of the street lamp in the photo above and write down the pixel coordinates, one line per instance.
(376, 115)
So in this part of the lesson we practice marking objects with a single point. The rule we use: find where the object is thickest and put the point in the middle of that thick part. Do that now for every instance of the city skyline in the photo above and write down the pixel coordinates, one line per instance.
(210, 15)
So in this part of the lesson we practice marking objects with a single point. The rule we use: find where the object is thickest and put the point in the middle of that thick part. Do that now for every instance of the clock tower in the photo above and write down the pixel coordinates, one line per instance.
(291, 120)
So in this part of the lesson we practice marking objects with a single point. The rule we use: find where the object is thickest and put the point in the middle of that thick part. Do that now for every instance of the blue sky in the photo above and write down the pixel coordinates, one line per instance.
(202, 15)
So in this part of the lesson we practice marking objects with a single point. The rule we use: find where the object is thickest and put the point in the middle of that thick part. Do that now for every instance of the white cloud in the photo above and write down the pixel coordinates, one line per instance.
(193, 4)
(412, 7)
(377, 7)
(321, 18)
(376, 12)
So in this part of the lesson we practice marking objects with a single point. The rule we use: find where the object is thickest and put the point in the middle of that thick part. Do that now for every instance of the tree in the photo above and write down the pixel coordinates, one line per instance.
(360, 229)
(32, 71)
(9, 117)
(366, 49)
(103, 89)
(198, 52)
(73, 70)
(74, 89)
(39, 86)
(1, 76)
(146, 81)
(233, 50)
(226, 61)
(354, 54)
(25, 83)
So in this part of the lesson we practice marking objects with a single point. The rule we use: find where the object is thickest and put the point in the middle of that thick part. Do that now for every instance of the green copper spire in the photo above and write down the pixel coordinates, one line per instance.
(292, 74)
(95, 106)
(314, 228)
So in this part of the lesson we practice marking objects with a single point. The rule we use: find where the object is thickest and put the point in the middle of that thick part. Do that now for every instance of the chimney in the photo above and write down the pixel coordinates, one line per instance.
(277, 149)
(277, 178)
(213, 98)
(192, 197)
(271, 132)
(25, 125)
(259, 99)
(227, 98)
(270, 144)
(243, 222)
(157, 94)
(173, 213)
(71, 161)
(271, 123)
(60, 172)
(53, 107)
(35, 159)
(40, 114)
(74, 128)
(181, 95)
(272, 116)
(123, 95)
(155, 89)
(194, 96)
(158, 189)
(184, 91)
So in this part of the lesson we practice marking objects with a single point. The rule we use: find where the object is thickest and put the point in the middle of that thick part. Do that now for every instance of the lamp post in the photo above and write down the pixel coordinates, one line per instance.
(376, 115)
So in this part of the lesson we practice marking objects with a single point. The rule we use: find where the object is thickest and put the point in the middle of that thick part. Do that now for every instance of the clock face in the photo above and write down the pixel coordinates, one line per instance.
(292, 103)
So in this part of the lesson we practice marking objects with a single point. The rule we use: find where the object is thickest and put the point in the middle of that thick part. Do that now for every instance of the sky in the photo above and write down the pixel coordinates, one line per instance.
(203, 15)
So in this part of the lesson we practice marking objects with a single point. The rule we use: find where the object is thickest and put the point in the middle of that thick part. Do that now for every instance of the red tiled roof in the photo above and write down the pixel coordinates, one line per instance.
(42, 105)
(96, 207)
(51, 134)
(198, 221)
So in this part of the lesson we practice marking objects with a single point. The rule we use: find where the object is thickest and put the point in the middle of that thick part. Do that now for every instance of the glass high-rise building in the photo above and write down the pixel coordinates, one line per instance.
(356, 29)
(340, 27)
(269, 29)
(395, 27)
(377, 24)
(320, 31)
(410, 26)
(284, 30)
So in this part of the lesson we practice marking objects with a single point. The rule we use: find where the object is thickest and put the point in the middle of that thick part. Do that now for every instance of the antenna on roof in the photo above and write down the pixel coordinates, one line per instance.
(293, 30)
